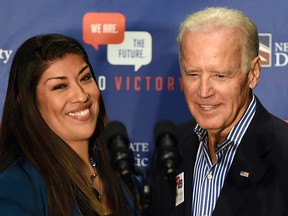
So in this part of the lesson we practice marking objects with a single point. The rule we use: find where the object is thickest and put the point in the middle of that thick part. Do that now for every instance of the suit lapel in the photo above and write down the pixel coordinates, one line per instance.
(248, 167)
(189, 154)
(241, 180)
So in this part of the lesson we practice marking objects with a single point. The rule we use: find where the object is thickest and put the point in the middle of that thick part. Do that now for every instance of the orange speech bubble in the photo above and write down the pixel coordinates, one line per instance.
(103, 28)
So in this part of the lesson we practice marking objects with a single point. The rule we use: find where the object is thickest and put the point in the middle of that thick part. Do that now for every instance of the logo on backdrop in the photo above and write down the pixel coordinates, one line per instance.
(124, 47)
(278, 50)
(136, 50)
(265, 44)
(129, 48)
(103, 28)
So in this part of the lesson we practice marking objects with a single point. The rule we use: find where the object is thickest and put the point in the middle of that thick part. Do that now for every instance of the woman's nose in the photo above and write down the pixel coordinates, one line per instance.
(79, 94)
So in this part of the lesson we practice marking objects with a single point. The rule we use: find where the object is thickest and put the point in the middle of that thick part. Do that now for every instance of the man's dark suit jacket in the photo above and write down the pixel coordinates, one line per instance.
(263, 153)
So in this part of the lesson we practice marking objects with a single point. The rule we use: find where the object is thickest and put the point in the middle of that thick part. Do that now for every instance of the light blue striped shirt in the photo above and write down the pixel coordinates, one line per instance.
(209, 178)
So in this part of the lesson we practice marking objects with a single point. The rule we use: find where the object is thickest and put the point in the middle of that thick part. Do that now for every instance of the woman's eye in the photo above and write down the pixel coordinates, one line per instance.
(87, 77)
(59, 86)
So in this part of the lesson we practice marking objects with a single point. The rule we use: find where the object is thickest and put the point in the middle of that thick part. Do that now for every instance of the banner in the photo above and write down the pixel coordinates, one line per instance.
(133, 50)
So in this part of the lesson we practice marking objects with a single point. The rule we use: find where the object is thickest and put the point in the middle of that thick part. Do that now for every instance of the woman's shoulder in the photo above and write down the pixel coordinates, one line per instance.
(21, 189)
(21, 172)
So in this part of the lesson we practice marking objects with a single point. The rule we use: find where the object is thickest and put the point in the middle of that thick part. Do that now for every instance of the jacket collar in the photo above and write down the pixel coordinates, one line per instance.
(248, 167)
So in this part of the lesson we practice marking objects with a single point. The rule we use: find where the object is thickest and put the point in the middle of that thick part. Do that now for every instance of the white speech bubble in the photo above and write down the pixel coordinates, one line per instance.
(136, 49)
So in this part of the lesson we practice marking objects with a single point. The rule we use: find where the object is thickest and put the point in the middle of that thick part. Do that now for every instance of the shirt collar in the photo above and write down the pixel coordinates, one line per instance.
(238, 130)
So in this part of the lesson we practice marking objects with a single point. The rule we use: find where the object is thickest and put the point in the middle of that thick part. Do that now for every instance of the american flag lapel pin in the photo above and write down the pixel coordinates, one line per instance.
(244, 174)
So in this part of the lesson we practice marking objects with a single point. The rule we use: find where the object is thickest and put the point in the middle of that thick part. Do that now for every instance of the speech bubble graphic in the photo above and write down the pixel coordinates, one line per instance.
(103, 28)
(136, 49)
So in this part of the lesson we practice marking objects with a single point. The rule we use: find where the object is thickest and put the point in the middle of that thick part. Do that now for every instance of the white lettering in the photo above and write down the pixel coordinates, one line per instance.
(281, 59)
(281, 47)
(5, 55)
(110, 28)
(130, 53)
(139, 146)
(102, 83)
(141, 162)
(96, 28)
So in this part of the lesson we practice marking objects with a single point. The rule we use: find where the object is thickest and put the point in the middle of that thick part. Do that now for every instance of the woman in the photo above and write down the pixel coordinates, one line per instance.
(53, 158)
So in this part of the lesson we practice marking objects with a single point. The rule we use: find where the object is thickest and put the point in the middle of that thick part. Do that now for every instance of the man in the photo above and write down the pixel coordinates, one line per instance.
(235, 153)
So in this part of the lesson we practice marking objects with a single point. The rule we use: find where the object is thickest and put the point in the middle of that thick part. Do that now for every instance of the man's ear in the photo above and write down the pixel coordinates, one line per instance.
(254, 73)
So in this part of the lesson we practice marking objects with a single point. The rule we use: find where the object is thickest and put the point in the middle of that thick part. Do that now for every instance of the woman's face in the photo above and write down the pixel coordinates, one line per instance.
(68, 99)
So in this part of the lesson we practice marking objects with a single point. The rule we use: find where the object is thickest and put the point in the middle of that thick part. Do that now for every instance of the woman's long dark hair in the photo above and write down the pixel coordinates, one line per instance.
(24, 133)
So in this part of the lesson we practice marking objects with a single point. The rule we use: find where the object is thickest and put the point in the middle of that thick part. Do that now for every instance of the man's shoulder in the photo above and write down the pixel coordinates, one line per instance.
(280, 123)
(186, 134)
(186, 127)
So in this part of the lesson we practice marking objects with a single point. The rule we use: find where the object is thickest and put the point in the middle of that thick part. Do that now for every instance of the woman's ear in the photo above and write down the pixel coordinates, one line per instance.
(254, 73)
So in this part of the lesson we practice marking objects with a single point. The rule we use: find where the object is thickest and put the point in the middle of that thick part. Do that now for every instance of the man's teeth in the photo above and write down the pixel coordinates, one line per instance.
(207, 107)
(81, 113)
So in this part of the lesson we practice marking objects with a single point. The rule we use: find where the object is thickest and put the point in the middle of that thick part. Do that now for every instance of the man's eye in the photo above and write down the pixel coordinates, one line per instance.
(191, 74)
(220, 76)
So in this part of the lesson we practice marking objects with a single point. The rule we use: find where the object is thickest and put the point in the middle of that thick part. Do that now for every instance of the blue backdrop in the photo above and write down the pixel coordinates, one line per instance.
(132, 48)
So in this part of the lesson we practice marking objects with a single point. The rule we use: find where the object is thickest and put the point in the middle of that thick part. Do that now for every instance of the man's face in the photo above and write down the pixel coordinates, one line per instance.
(216, 89)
